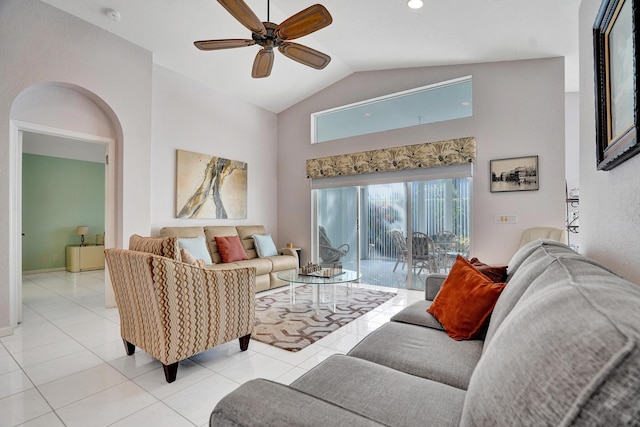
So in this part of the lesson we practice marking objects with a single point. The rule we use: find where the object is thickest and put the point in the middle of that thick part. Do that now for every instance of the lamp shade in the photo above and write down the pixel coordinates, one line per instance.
(82, 230)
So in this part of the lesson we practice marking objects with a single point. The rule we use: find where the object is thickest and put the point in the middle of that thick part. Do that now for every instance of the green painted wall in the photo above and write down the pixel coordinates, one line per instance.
(58, 195)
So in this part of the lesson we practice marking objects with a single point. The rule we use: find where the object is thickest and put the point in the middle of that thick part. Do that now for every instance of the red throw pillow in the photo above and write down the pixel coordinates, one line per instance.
(465, 301)
(230, 248)
(496, 273)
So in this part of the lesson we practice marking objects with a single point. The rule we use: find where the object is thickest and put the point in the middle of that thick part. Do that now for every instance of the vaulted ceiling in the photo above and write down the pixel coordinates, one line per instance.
(365, 35)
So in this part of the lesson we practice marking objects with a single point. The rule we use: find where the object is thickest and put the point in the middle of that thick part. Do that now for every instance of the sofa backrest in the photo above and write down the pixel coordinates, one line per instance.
(244, 232)
(568, 352)
(211, 232)
(528, 263)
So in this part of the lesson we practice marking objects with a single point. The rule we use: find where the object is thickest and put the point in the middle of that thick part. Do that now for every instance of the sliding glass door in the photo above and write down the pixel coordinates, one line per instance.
(337, 227)
(393, 234)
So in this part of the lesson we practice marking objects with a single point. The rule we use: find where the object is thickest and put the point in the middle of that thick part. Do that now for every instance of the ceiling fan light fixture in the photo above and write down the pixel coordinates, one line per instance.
(415, 4)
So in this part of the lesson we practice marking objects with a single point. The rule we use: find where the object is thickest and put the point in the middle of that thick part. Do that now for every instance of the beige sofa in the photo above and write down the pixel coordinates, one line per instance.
(266, 268)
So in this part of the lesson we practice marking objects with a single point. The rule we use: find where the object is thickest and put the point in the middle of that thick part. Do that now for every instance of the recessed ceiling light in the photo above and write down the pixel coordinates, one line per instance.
(415, 4)
(367, 114)
(465, 103)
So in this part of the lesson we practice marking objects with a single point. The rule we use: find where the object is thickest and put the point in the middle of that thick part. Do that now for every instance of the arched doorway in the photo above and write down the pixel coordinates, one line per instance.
(68, 111)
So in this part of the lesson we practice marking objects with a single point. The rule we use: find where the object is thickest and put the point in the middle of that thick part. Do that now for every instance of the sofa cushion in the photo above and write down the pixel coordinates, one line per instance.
(283, 262)
(465, 301)
(163, 246)
(262, 266)
(217, 230)
(423, 352)
(246, 233)
(568, 353)
(416, 314)
(197, 247)
(230, 248)
(261, 402)
(384, 395)
(264, 245)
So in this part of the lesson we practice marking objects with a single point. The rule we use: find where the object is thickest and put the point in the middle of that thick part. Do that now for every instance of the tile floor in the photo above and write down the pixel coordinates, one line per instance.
(65, 364)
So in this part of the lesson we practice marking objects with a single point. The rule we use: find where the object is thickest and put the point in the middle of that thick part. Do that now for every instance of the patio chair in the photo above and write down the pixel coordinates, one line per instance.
(448, 247)
(424, 253)
(400, 243)
(328, 253)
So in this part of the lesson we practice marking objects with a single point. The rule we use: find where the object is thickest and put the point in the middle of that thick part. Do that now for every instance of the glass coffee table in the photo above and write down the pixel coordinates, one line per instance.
(316, 282)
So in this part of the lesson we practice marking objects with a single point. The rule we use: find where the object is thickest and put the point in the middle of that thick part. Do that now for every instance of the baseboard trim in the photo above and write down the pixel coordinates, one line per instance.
(44, 270)
(5, 332)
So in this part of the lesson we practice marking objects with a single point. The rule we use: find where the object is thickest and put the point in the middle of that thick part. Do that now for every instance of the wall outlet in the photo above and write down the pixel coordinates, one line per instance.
(506, 219)
(56, 257)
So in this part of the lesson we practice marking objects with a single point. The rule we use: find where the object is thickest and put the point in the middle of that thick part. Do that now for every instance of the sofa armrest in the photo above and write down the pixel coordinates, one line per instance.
(288, 251)
(262, 402)
(432, 285)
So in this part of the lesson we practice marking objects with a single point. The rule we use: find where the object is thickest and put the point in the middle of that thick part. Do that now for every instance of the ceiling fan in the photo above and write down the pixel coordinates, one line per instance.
(269, 36)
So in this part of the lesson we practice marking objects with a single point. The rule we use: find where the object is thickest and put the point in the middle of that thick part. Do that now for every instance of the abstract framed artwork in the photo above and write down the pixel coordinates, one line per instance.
(616, 85)
(210, 187)
(514, 174)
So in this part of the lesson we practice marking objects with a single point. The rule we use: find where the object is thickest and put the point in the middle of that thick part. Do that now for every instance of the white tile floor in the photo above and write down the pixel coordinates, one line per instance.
(65, 365)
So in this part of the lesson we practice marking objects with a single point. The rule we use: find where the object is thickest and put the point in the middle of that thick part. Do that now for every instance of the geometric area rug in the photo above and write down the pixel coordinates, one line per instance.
(294, 327)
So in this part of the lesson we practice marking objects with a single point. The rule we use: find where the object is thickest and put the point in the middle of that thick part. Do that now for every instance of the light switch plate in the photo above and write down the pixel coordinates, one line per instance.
(506, 219)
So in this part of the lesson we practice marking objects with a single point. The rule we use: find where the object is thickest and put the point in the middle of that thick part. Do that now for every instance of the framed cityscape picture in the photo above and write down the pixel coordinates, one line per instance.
(514, 174)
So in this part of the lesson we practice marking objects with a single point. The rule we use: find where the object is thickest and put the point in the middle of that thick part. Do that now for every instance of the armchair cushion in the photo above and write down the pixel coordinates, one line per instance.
(187, 257)
(465, 301)
(163, 246)
(197, 247)
(264, 245)
(230, 248)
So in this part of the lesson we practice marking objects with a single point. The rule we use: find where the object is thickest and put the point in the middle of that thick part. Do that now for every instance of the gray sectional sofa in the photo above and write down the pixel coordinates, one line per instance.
(562, 347)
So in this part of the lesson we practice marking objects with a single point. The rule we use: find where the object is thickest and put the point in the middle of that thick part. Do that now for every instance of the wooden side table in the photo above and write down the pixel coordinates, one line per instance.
(84, 258)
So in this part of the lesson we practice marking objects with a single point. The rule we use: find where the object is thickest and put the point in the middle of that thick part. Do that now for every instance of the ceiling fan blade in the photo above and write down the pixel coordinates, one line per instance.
(305, 22)
(243, 13)
(305, 55)
(262, 64)
(223, 44)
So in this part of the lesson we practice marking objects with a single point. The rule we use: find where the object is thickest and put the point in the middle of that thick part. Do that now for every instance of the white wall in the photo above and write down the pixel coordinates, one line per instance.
(572, 151)
(609, 200)
(518, 110)
(42, 44)
(189, 116)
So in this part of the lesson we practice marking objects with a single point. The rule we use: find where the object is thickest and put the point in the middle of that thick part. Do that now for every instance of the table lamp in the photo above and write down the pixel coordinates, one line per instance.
(81, 230)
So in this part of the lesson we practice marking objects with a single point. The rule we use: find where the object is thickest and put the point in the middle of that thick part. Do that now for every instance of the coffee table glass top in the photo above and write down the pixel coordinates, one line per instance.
(292, 276)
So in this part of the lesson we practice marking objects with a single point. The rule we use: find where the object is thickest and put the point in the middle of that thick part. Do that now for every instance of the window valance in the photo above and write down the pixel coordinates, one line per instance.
(418, 156)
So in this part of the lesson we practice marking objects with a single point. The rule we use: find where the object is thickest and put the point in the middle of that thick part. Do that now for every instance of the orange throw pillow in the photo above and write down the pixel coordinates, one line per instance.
(465, 301)
(230, 248)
